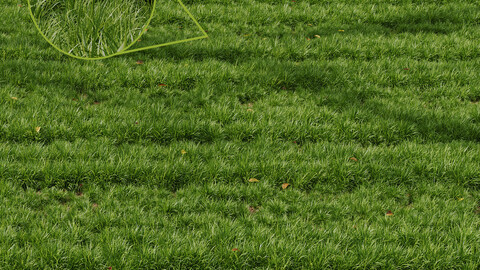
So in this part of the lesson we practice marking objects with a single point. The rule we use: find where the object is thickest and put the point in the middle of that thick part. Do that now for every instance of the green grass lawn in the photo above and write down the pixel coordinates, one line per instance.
(368, 109)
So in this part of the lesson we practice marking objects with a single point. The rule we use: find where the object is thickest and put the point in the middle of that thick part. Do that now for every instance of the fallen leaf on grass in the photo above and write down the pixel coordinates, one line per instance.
(317, 36)
(249, 110)
(285, 185)
(37, 129)
(79, 191)
(252, 180)
(340, 30)
(389, 213)
(253, 209)
(162, 84)
(183, 152)
(234, 249)
(354, 159)
(14, 98)
(460, 199)
(94, 205)
(139, 62)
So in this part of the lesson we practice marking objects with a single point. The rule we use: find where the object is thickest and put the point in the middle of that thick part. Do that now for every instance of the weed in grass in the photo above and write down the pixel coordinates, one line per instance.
(90, 28)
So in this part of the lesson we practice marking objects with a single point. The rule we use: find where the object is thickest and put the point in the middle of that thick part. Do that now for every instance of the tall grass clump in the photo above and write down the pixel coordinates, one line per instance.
(91, 28)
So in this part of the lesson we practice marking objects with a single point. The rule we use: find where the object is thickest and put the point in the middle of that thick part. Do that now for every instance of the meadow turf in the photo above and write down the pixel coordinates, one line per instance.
(370, 110)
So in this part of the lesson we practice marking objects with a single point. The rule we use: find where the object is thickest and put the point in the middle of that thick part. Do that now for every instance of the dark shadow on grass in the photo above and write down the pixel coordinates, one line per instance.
(438, 21)
(431, 128)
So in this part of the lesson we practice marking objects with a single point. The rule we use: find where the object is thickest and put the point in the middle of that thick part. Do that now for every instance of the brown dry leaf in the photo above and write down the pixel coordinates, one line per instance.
(234, 249)
(285, 185)
(94, 205)
(317, 36)
(253, 180)
(37, 129)
(249, 110)
(253, 209)
(389, 213)
(183, 152)
(354, 159)
(139, 62)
